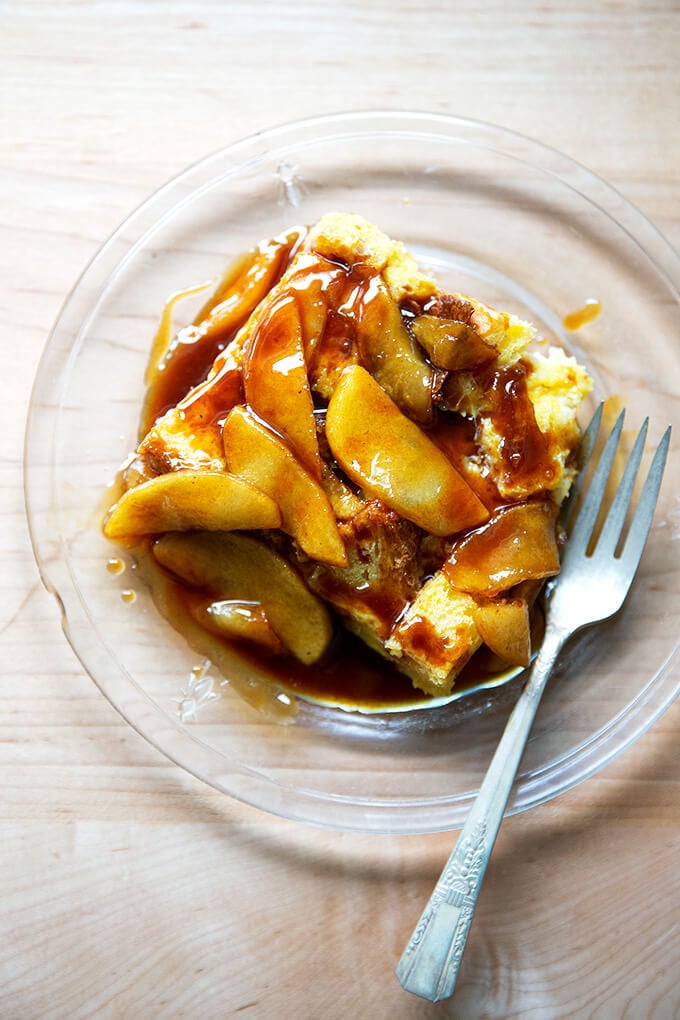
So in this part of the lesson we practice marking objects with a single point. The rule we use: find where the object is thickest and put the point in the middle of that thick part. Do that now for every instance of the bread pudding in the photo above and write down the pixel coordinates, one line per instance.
(336, 447)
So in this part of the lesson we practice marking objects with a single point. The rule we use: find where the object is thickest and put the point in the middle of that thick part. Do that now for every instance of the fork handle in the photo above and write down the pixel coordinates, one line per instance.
(430, 963)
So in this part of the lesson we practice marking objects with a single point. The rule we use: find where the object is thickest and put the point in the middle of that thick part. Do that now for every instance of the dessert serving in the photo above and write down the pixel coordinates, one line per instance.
(348, 477)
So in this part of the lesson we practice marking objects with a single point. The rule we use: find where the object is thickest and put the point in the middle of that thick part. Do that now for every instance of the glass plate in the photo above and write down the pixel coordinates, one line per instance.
(493, 214)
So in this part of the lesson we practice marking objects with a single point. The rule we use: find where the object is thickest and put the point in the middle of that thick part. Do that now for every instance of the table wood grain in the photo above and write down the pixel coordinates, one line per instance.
(127, 888)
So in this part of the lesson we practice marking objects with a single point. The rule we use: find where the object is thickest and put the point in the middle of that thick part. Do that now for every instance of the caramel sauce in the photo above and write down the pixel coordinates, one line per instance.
(524, 450)
(164, 335)
(582, 316)
(351, 675)
(456, 438)
(115, 566)
(128, 596)
(421, 638)
(356, 677)
(384, 603)
(207, 405)
(186, 366)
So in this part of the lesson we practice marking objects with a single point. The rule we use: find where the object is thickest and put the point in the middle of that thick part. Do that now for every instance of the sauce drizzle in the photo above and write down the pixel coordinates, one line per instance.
(582, 316)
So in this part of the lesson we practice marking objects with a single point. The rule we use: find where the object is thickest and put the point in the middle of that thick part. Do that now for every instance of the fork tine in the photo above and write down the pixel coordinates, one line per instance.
(587, 515)
(587, 446)
(616, 517)
(641, 523)
(588, 439)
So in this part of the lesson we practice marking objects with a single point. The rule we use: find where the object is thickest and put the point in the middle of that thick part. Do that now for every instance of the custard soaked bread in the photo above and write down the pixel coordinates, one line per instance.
(397, 453)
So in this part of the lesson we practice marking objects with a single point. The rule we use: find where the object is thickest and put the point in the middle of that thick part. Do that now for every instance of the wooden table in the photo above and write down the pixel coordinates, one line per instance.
(127, 888)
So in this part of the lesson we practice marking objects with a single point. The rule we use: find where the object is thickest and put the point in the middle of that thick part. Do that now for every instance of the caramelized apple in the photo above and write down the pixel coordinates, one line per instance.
(391, 458)
(175, 601)
(503, 626)
(234, 566)
(188, 500)
(517, 544)
(245, 283)
(450, 344)
(313, 309)
(276, 383)
(390, 354)
(239, 620)
(255, 453)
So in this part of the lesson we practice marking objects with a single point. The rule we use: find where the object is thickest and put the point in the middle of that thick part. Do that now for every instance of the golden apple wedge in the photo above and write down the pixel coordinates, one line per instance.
(237, 566)
(256, 454)
(245, 283)
(392, 356)
(170, 597)
(504, 627)
(391, 458)
(240, 621)
(517, 544)
(451, 345)
(275, 380)
(187, 500)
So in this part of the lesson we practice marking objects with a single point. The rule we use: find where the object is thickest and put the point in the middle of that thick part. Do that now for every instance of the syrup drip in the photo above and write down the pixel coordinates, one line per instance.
(582, 316)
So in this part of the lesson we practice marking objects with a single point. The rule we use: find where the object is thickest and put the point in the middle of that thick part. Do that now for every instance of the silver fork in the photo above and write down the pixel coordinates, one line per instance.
(591, 587)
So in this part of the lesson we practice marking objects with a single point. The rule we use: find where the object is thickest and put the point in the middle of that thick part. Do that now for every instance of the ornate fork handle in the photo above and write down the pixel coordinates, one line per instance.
(429, 965)
(592, 587)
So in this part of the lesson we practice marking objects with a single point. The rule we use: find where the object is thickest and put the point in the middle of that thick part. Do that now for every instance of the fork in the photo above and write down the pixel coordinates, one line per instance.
(594, 579)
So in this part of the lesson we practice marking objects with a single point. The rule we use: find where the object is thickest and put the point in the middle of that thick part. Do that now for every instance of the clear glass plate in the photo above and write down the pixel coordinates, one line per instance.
(493, 214)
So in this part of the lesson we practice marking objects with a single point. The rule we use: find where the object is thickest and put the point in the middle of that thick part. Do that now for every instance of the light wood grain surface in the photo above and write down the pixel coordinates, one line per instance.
(127, 888)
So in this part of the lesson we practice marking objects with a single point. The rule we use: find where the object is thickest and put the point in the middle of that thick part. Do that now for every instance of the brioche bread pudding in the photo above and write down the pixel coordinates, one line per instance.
(337, 455)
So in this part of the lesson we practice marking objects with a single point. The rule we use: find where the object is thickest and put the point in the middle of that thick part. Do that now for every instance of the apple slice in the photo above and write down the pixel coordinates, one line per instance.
(177, 363)
(275, 380)
(391, 458)
(504, 627)
(245, 283)
(257, 455)
(312, 306)
(390, 353)
(187, 500)
(236, 566)
(517, 544)
(257, 686)
(240, 621)
(450, 344)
